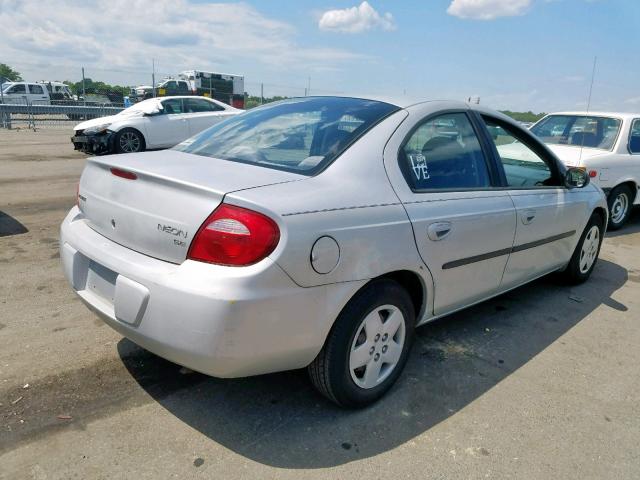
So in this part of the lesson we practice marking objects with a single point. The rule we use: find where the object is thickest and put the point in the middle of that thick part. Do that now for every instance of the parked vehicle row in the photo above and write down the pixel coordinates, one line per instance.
(319, 232)
(149, 125)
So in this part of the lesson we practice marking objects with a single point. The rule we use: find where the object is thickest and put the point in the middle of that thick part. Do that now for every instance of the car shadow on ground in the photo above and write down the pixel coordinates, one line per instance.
(10, 226)
(279, 420)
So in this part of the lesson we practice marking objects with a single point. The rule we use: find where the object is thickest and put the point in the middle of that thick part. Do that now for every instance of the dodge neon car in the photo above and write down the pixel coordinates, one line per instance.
(319, 232)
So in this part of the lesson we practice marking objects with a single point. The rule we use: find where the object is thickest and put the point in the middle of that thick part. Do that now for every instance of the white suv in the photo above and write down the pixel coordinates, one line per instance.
(607, 145)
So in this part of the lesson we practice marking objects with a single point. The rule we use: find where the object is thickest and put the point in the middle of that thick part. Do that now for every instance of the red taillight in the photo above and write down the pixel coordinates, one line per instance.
(234, 236)
(593, 173)
(123, 174)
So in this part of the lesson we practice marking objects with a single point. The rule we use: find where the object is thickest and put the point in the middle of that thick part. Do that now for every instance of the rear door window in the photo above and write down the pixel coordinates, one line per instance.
(36, 89)
(444, 153)
(197, 105)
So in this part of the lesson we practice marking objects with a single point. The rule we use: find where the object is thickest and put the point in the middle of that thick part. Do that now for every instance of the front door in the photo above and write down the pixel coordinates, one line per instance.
(463, 226)
(169, 127)
(548, 214)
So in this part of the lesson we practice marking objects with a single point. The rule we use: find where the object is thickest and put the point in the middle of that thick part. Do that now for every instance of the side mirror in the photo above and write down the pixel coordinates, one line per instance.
(152, 109)
(576, 178)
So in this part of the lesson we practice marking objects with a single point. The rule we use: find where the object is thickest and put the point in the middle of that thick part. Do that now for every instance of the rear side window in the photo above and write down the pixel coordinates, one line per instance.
(196, 105)
(36, 89)
(300, 135)
(634, 136)
(444, 153)
(523, 167)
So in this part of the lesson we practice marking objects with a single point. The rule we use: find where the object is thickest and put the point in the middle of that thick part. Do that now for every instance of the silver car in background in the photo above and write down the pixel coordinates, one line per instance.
(319, 232)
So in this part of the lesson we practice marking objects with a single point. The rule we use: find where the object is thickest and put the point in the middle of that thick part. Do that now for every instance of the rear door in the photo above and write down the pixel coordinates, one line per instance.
(549, 215)
(38, 94)
(463, 226)
(202, 114)
(169, 127)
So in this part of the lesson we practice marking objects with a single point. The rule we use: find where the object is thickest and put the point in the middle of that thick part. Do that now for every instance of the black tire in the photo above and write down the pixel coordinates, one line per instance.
(573, 274)
(620, 197)
(330, 371)
(135, 137)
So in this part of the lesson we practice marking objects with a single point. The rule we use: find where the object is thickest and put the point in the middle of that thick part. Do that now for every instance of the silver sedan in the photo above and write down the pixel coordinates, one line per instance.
(319, 232)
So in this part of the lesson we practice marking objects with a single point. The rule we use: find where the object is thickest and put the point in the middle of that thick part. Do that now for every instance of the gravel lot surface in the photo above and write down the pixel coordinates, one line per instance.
(539, 383)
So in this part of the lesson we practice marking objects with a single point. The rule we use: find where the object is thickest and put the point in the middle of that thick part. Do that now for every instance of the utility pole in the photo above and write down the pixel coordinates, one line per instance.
(261, 93)
(308, 91)
(153, 76)
(84, 96)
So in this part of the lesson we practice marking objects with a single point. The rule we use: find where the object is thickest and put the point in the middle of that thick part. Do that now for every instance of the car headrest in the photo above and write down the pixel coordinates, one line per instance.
(585, 139)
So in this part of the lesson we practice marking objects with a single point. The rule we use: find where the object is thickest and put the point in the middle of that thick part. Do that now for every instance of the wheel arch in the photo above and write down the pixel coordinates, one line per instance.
(632, 184)
(415, 287)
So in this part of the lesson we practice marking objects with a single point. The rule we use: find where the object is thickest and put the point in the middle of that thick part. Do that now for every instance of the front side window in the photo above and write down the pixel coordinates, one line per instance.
(634, 136)
(300, 135)
(36, 90)
(444, 153)
(20, 88)
(578, 130)
(523, 167)
(172, 106)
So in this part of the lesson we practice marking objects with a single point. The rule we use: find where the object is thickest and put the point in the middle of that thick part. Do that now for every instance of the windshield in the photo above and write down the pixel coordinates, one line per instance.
(578, 130)
(300, 135)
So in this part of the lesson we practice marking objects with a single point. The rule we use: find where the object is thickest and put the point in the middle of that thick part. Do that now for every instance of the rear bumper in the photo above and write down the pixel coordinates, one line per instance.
(222, 321)
(94, 144)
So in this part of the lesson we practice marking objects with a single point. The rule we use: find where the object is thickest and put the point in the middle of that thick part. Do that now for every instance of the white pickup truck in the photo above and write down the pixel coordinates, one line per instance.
(607, 145)
(25, 93)
(37, 93)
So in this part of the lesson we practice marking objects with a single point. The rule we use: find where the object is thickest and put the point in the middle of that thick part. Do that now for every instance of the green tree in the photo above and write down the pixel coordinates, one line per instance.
(9, 73)
(253, 101)
(524, 116)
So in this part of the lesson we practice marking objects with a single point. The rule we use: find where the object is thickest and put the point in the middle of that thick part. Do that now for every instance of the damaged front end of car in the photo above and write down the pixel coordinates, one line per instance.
(94, 140)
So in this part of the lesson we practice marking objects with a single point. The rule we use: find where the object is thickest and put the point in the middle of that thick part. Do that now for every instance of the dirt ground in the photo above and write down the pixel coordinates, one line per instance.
(542, 382)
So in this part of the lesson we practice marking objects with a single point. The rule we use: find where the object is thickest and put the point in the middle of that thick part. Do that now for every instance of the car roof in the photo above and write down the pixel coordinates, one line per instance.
(599, 114)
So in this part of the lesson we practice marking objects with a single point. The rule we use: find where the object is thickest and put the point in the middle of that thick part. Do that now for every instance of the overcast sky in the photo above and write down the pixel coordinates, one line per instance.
(514, 54)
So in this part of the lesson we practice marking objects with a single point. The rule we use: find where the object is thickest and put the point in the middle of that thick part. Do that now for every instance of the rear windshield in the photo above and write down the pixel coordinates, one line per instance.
(578, 130)
(301, 135)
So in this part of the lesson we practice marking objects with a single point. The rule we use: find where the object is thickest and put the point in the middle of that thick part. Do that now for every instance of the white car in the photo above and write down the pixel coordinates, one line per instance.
(607, 145)
(319, 232)
(150, 125)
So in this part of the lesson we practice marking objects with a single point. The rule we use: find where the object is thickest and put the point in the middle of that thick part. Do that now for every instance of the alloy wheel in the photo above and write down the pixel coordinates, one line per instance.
(129, 142)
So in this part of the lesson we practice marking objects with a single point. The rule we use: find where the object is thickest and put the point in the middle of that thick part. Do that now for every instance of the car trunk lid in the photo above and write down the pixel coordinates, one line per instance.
(154, 202)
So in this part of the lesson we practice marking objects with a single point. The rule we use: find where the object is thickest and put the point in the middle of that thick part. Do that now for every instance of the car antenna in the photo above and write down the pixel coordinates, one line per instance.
(593, 74)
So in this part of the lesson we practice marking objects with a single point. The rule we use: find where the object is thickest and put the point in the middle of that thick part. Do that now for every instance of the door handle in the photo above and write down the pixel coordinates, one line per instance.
(528, 216)
(439, 230)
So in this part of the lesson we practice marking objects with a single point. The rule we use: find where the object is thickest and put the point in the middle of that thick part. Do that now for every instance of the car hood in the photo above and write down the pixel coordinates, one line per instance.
(94, 122)
(573, 155)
